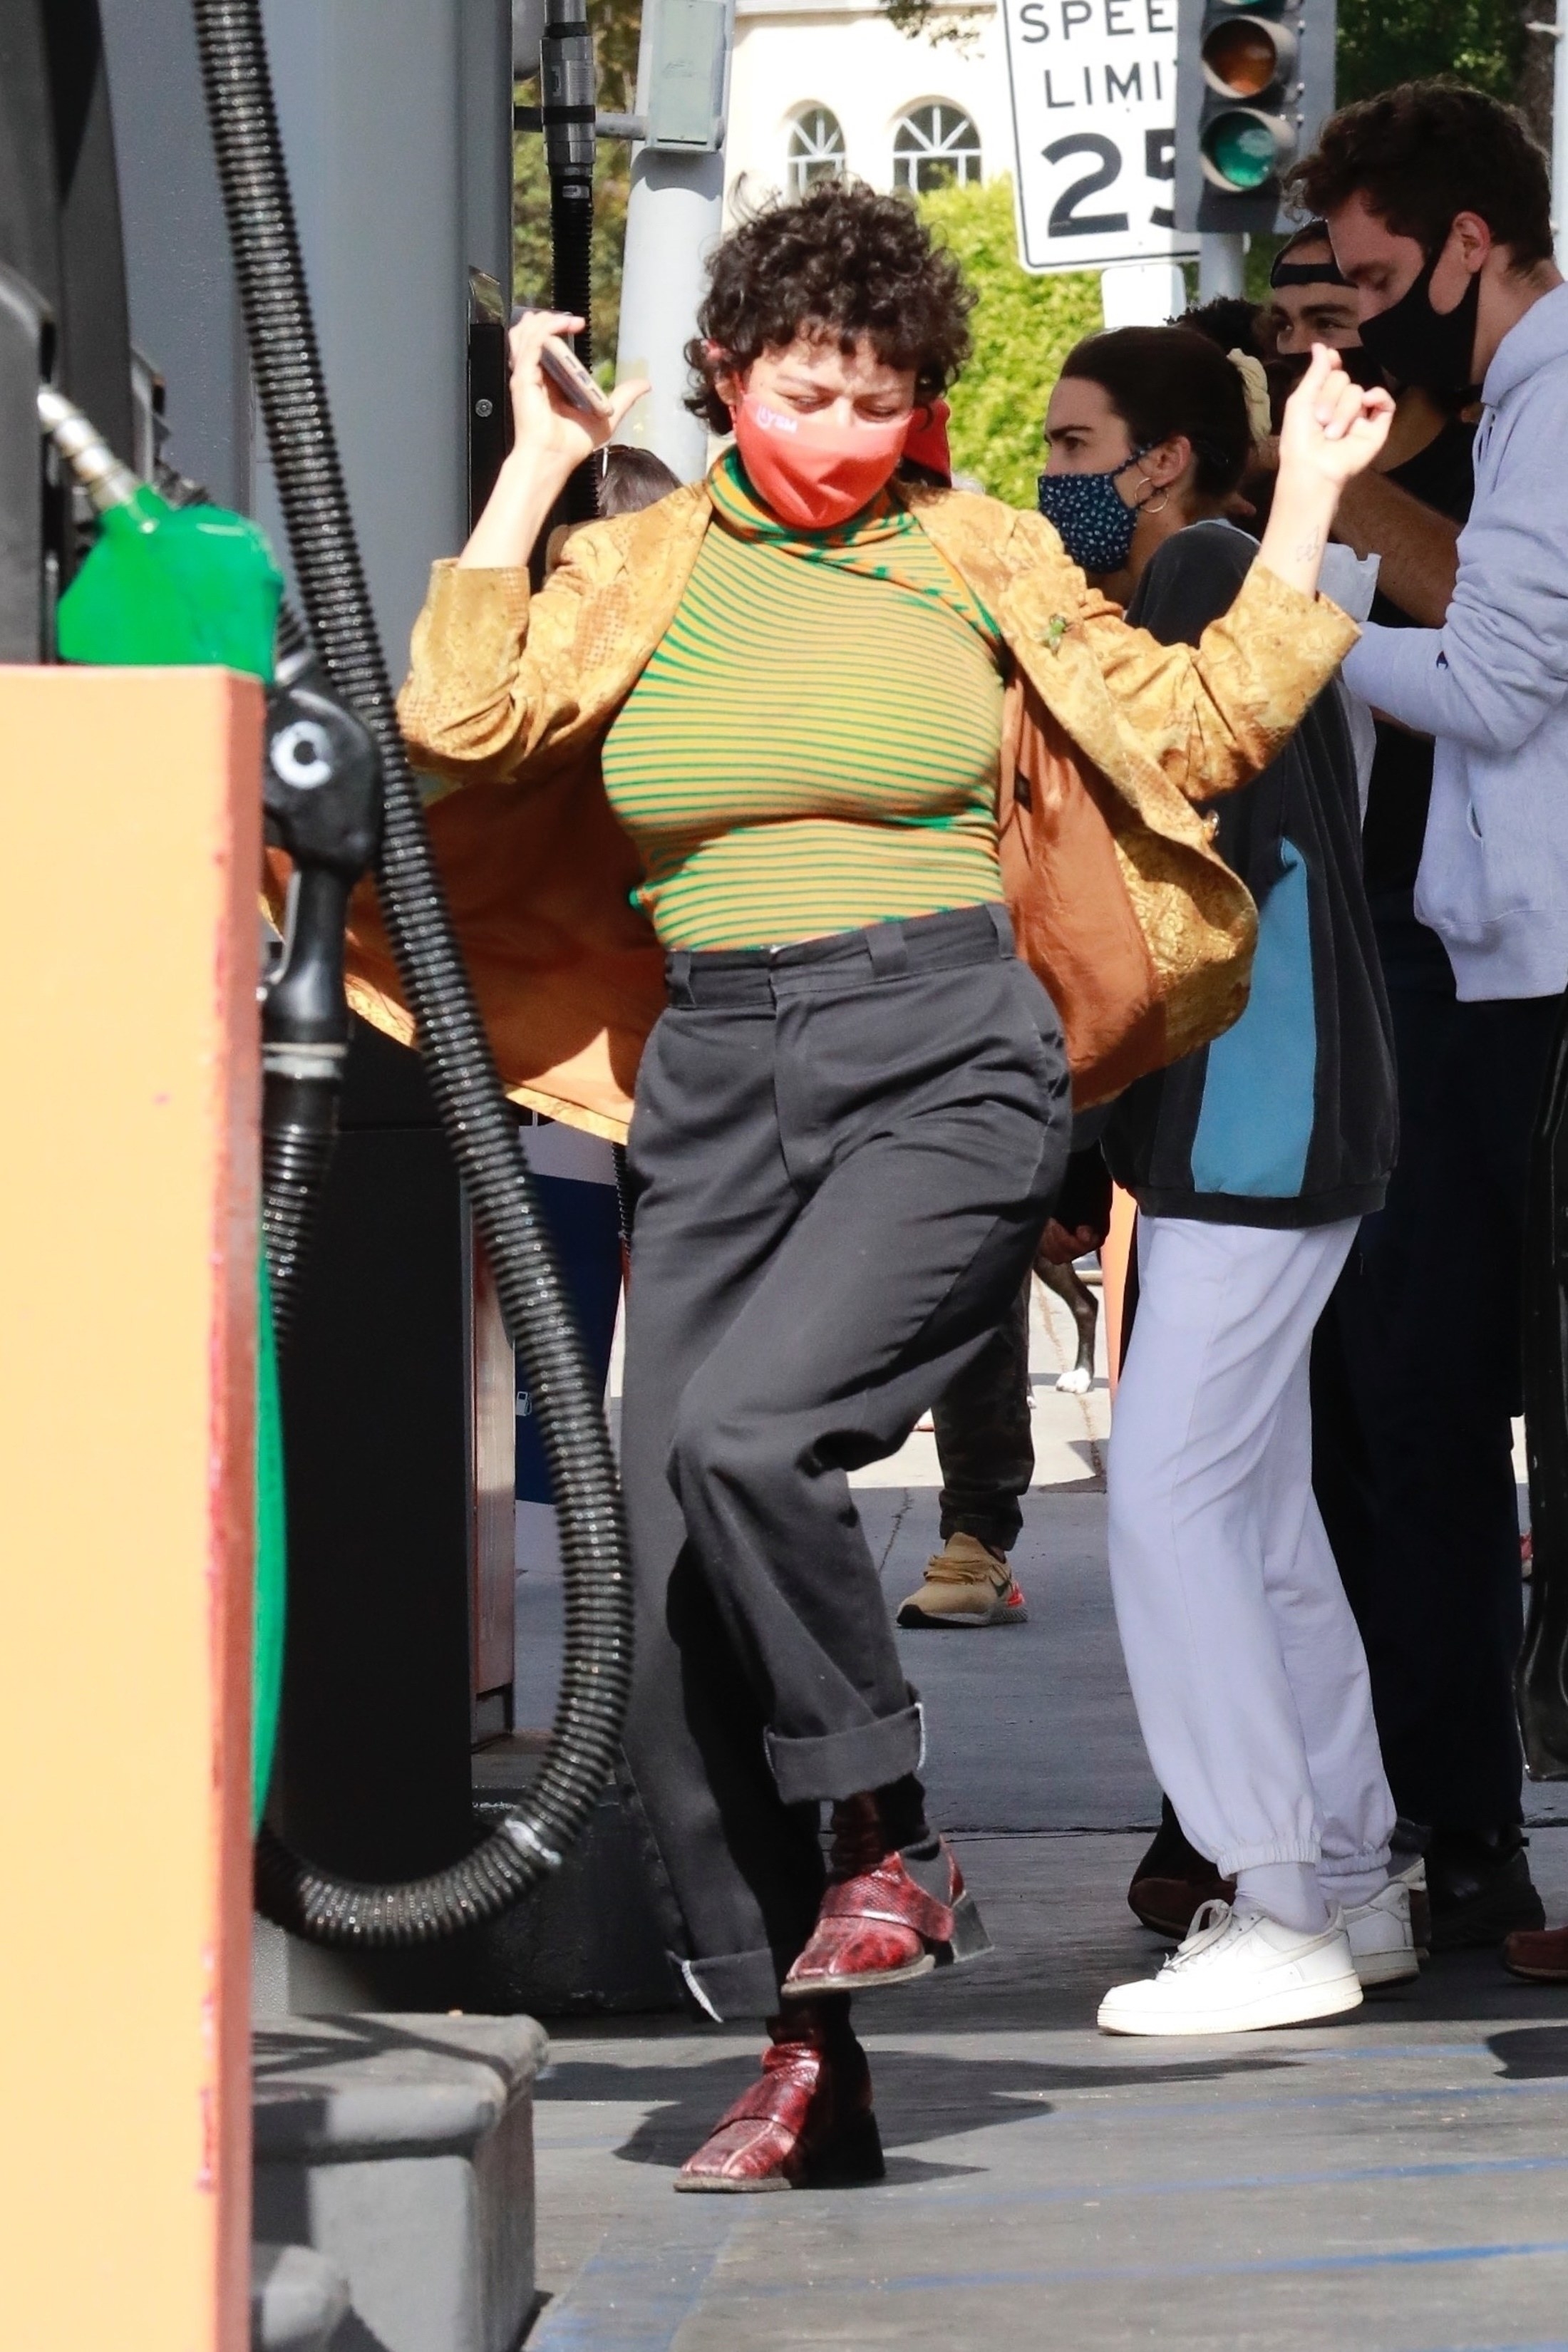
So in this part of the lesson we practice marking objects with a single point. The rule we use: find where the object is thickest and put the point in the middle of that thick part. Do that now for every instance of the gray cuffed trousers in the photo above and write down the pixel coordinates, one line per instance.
(842, 1156)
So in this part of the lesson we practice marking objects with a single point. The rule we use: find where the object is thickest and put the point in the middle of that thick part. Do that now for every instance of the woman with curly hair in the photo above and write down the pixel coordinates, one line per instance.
(733, 777)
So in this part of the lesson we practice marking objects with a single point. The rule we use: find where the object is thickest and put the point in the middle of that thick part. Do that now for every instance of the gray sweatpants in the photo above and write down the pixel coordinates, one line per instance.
(842, 1156)
(1246, 1664)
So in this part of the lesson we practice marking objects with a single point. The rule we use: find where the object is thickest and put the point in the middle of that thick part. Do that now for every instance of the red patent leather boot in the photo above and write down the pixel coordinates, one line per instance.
(887, 1916)
(808, 2123)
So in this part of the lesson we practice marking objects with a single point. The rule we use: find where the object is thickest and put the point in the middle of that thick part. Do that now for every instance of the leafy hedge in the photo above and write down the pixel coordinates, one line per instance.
(1024, 328)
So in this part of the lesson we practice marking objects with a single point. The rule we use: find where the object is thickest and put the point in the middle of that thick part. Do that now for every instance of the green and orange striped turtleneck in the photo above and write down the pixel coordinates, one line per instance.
(813, 745)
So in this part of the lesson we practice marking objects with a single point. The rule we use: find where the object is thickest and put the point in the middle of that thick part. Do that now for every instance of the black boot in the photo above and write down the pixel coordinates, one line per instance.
(1480, 1888)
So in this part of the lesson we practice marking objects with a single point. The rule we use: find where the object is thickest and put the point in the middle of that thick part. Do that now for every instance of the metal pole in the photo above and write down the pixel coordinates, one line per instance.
(1558, 35)
(1221, 263)
(674, 218)
(1141, 293)
(1559, 136)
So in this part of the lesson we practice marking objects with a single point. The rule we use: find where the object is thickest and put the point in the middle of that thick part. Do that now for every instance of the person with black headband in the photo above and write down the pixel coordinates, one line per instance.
(1310, 299)
(1438, 208)
(1410, 521)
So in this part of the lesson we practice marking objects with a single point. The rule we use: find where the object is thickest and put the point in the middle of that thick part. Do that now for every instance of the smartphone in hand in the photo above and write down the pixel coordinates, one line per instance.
(567, 374)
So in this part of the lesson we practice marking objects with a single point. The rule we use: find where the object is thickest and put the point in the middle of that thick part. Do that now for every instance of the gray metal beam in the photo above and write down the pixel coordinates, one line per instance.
(397, 117)
(376, 99)
(185, 308)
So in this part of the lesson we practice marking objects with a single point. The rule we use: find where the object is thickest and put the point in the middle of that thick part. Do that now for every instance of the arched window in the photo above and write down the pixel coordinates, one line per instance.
(816, 148)
(934, 147)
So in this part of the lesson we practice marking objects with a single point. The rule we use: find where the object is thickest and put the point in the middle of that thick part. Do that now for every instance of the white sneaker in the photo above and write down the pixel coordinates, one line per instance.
(1239, 1971)
(1382, 1944)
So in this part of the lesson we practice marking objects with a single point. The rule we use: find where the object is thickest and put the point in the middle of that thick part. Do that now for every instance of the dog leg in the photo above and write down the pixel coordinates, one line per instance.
(1084, 1309)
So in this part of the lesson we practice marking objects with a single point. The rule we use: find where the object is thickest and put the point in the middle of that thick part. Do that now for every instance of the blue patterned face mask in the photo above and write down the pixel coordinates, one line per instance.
(1093, 520)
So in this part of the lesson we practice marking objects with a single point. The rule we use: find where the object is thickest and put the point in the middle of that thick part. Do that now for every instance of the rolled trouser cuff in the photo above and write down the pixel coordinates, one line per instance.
(843, 1763)
(735, 1984)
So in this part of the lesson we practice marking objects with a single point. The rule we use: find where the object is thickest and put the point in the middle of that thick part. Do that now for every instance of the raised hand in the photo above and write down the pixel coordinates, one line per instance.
(543, 419)
(1332, 427)
(551, 438)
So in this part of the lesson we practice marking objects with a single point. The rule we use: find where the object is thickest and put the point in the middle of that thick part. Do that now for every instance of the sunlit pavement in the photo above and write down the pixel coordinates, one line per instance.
(1396, 2182)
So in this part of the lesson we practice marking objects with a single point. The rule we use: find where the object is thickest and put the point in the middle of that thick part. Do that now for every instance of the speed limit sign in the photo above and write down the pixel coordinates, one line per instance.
(1093, 86)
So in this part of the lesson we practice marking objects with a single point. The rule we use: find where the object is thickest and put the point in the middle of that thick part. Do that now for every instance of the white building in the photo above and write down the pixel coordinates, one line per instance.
(819, 85)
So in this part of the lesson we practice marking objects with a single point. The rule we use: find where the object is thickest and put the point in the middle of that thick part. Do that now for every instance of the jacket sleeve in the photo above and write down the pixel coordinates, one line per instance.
(493, 672)
(1213, 714)
(1498, 665)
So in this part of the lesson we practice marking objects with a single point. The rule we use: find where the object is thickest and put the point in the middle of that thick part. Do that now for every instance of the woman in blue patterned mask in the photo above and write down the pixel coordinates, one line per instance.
(1251, 1161)
(1135, 458)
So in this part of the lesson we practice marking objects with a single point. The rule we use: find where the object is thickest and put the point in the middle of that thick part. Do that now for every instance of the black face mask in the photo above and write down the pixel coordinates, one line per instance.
(1362, 368)
(1434, 349)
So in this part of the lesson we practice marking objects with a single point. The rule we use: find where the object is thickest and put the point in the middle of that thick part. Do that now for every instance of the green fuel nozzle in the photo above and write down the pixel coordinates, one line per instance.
(186, 586)
(196, 586)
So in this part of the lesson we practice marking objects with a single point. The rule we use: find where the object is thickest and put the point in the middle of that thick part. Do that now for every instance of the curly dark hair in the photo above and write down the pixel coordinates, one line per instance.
(1227, 320)
(841, 261)
(1425, 151)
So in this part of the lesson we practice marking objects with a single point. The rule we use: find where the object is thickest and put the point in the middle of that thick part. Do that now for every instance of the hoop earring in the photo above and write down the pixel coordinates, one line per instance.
(1148, 506)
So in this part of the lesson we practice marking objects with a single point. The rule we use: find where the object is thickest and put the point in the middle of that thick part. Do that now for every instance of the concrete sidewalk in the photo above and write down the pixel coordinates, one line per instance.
(1397, 2181)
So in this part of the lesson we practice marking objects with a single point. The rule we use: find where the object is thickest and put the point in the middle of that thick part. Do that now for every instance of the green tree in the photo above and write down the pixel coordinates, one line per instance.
(1381, 42)
(1024, 328)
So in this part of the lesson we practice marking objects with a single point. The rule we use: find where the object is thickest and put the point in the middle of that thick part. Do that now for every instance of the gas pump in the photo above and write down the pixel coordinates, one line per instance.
(165, 582)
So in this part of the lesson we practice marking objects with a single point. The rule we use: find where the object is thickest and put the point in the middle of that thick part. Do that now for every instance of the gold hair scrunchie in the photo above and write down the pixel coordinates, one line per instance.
(1255, 384)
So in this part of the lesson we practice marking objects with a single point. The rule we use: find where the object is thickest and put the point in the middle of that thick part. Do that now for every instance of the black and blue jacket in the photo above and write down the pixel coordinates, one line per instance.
(1289, 1120)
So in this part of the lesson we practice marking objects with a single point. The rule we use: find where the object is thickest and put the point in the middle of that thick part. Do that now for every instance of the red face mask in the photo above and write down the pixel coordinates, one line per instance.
(812, 472)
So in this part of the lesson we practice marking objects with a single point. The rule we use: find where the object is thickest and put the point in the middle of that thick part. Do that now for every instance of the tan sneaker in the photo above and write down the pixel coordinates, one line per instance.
(967, 1585)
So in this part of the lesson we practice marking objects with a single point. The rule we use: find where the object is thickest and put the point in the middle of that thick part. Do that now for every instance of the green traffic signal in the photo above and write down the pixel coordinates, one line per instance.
(1242, 149)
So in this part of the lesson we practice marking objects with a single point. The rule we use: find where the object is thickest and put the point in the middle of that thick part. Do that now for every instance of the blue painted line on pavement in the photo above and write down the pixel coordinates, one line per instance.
(644, 2283)
(1371, 2053)
(1106, 2193)
(1399, 2258)
(1127, 2111)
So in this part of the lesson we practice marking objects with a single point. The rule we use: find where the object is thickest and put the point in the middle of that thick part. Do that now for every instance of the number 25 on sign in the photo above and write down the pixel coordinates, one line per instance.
(1093, 86)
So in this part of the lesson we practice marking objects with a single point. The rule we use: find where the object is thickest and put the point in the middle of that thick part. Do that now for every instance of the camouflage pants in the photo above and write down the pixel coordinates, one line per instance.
(984, 1441)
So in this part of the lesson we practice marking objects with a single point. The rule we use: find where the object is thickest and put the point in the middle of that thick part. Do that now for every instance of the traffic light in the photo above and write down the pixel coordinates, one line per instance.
(1253, 82)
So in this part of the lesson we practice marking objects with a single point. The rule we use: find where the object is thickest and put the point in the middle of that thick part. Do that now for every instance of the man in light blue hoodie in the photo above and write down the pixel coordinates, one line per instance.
(1438, 208)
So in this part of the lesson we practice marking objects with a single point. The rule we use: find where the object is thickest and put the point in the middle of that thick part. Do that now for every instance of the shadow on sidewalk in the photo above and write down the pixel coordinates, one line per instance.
(922, 2096)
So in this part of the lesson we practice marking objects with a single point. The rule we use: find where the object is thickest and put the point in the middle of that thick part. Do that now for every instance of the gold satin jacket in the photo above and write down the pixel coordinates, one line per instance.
(1141, 935)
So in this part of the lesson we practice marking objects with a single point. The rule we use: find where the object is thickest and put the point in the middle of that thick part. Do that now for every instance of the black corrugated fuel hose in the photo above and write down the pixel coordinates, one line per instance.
(479, 1123)
(568, 82)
